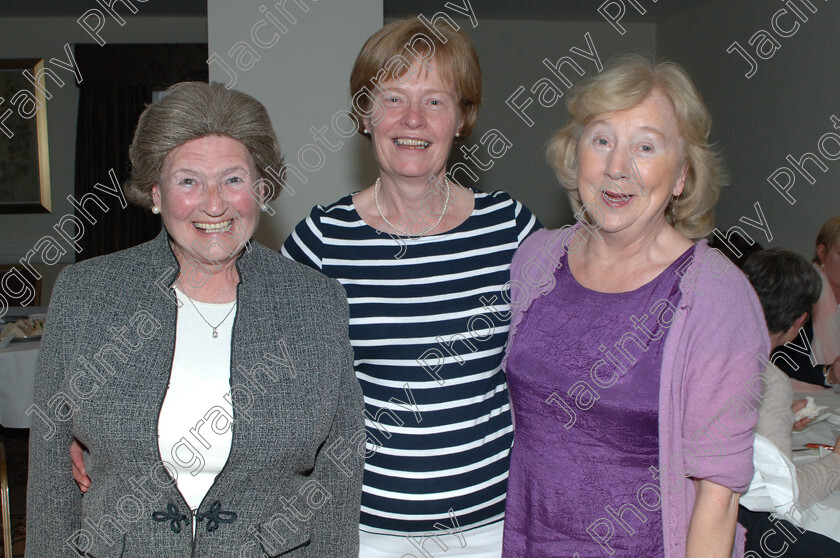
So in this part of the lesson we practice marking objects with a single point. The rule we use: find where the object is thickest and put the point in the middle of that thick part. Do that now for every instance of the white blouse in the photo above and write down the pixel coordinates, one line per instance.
(195, 423)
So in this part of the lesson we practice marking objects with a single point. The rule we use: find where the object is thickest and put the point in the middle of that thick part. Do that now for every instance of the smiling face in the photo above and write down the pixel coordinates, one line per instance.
(630, 164)
(413, 138)
(205, 200)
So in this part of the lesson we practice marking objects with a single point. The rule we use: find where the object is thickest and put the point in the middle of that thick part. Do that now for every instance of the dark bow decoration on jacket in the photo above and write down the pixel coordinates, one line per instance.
(215, 516)
(172, 516)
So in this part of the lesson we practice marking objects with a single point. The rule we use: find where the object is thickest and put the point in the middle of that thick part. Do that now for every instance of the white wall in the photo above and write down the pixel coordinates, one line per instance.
(303, 80)
(45, 38)
(783, 109)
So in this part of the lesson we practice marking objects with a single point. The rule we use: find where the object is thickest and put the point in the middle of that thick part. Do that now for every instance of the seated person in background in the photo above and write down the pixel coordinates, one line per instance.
(788, 286)
(818, 361)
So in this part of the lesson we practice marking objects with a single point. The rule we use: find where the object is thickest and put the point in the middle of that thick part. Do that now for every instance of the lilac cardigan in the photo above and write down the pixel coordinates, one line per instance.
(706, 408)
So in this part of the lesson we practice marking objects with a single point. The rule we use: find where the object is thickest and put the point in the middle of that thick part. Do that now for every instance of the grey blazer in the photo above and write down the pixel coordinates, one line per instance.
(292, 484)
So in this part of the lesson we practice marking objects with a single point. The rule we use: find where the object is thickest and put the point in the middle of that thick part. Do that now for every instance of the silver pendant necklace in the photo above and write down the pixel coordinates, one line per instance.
(213, 327)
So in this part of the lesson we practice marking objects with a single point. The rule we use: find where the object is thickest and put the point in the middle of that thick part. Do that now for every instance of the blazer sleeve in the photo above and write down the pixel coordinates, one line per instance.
(340, 460)
(53, 503)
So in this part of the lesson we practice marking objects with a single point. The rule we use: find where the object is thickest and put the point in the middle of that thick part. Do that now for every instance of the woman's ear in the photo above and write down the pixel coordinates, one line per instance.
(263, 192)
(800, 321)
(680, 184)
(156, 195)
(821, 253)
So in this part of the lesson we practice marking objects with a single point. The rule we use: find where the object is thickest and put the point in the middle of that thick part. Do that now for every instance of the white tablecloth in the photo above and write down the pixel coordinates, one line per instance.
(17, 374)
(17, 380)
(822, 432)
(22, 311)
(774, 484)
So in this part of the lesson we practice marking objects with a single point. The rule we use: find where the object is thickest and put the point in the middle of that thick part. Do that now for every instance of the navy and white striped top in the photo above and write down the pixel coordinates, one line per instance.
(428, 325)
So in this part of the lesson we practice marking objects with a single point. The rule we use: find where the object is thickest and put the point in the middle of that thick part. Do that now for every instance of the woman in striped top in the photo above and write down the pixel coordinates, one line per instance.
(425, 263)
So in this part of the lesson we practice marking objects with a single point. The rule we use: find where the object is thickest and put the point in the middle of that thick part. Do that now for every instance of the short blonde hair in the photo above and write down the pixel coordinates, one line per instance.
(623, 85)
(192, 110)
(454, 54)
(829, 235)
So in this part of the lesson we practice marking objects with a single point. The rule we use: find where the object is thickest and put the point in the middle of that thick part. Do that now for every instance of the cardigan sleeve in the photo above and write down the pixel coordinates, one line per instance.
(54, 502)
(815, 480)
(775, 417)
(818, 479)
(340, 460)
(724, 337)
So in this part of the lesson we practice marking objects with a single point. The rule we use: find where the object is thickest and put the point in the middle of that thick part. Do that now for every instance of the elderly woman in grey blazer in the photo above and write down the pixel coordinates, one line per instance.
(209, 378)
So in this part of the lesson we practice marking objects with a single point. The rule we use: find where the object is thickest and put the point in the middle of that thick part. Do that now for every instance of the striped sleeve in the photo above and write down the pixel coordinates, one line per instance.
(306, 242)
(526, 222)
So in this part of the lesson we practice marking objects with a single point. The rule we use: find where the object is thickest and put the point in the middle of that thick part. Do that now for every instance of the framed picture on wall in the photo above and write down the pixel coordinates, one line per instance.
(24, 149)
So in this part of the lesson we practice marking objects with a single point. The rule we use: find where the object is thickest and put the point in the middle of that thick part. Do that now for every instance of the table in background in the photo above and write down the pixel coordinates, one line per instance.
(18, 363)
(17, 382)
(822, 432)
(17, 374)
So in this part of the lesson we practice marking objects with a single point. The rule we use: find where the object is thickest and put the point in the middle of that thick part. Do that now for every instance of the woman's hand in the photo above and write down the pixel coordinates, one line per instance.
(77, 457)
(711, 532)
(797, 406)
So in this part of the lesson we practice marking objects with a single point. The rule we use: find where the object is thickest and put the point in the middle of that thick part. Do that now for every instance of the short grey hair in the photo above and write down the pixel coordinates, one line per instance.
(192, 110)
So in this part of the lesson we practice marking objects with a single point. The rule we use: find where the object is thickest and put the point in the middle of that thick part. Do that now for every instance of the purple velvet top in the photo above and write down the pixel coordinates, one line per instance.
(583, 375)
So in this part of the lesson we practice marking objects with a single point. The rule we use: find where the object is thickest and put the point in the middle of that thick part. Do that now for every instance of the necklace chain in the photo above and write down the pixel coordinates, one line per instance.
(402, 232)
(213, 327)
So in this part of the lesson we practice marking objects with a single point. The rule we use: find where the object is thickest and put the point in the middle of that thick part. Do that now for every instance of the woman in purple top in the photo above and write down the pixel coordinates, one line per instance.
(632, 349)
